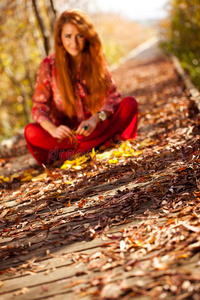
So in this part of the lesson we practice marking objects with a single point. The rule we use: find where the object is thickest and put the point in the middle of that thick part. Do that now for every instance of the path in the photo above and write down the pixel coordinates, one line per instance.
(125, 226)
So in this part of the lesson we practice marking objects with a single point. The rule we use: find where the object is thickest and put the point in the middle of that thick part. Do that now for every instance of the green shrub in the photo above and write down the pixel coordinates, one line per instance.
(183, 35)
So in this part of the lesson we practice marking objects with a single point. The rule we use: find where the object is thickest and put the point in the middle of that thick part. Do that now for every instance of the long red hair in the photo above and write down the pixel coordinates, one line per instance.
(93, 70)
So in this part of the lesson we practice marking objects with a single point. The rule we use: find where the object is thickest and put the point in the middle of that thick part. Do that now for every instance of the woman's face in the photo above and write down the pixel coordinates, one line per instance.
(73, 41)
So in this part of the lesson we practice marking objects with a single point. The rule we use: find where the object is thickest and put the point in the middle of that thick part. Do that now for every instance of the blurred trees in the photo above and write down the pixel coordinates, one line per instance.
(182, 30)
(26, 29)
(119, 35)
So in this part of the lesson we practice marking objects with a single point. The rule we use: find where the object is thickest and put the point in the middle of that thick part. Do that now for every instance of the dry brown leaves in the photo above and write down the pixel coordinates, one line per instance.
(138, 204)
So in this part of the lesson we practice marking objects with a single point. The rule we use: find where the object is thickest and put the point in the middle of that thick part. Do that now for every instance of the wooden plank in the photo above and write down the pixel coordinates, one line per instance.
(71, 283)
(67, 248)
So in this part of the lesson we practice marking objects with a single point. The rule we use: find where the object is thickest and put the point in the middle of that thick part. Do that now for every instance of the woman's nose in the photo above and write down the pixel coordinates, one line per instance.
(75, 41)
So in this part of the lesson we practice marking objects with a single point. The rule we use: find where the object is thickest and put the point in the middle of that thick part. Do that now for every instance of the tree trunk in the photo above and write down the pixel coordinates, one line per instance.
(45, 33)
(35, 32)
(51, 13)
(53, 7)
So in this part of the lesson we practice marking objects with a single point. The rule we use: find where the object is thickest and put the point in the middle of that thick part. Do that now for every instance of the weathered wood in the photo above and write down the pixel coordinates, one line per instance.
(155, 250)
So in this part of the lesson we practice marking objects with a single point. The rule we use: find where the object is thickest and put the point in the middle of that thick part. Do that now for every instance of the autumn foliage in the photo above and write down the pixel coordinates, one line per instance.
(182, 30)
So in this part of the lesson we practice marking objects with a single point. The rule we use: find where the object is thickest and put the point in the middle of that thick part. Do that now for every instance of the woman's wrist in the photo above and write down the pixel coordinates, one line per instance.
(103, 115)
(96, 118)
(48, 126)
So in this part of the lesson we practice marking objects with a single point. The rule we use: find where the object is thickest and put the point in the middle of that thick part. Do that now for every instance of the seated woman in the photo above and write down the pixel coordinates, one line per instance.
(76, 106)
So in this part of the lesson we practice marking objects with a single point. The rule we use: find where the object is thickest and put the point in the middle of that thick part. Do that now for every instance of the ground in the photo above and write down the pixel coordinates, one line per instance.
(120, 223)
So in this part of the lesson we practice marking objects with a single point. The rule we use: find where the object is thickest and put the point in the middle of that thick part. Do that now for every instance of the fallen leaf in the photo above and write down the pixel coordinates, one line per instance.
(22, 291)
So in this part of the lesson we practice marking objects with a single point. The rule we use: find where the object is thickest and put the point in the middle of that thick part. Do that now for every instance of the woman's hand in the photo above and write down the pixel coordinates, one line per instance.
(61, 132)
(89, 125)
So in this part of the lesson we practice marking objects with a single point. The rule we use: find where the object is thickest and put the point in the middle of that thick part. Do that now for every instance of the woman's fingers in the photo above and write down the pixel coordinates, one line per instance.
(63, 132)
(80, 128)
(86, 128)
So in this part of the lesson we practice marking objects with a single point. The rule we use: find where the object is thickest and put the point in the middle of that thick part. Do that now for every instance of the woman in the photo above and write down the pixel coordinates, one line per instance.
(76, 106)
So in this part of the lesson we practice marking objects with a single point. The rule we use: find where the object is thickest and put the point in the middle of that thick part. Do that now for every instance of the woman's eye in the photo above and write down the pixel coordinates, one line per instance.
(80, 35)
(68, 35)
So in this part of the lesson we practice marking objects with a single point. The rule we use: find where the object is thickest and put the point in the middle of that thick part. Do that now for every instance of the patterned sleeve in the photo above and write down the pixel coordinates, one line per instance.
(113, 98)
(43, 93)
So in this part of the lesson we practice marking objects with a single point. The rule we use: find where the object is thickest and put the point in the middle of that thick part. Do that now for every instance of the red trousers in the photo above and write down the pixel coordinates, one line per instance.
(46, 149)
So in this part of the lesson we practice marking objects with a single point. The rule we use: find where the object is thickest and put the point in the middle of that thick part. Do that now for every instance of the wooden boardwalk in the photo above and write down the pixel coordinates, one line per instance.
(72, 241)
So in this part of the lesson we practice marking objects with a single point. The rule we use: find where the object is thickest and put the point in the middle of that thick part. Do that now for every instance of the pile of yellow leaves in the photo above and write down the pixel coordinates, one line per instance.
(111, 156)
(78, 162)
(27, 175)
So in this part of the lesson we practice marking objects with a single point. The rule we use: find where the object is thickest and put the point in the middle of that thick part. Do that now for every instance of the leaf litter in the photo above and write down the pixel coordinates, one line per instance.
(140, 202)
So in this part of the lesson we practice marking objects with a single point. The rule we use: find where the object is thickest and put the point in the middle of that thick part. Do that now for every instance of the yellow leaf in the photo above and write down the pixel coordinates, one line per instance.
(5, 179)
(113, 161)
(15, 175)
(93, 153)
(76, 163)
(104, 155)
(125, 150)
(29, 171)
(145, 143)
(136, 153)
(65, 166)
(183, 255)
(138, 243)
(39, 177)
(27, 178)
(82, 159)
(78, 167)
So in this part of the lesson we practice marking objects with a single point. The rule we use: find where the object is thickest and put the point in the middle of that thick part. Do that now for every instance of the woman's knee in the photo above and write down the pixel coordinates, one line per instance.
(31, 131)
(129, 105)
(130, 102)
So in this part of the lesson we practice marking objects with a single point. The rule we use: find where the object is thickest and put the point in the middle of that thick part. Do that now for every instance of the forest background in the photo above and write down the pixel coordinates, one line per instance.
(26, 33)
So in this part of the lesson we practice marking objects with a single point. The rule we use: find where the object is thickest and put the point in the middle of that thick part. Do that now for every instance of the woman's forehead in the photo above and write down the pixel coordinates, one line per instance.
(70, 28)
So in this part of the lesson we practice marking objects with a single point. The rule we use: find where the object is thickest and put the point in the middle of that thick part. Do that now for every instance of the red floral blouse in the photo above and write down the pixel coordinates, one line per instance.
(47, 102)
